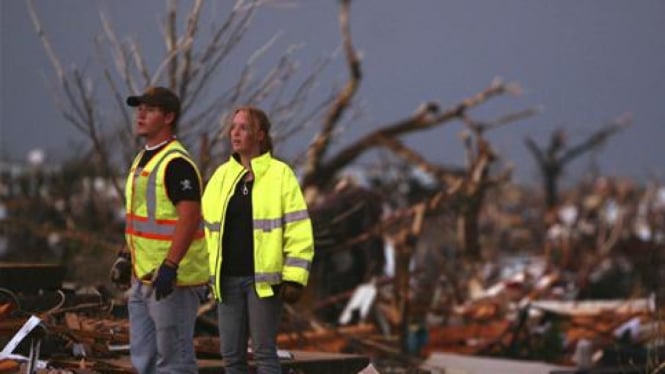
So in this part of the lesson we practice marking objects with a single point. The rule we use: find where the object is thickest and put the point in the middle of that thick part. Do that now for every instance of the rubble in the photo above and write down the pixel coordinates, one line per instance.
(578, 287)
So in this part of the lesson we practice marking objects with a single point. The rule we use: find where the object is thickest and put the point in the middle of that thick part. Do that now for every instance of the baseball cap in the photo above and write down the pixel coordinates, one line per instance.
(158, 96)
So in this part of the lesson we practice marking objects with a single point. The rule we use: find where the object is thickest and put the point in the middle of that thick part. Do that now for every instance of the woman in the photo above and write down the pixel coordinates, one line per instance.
(260, 243)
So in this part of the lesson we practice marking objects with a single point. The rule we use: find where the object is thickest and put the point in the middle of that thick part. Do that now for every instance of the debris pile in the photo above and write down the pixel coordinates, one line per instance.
(575, 287)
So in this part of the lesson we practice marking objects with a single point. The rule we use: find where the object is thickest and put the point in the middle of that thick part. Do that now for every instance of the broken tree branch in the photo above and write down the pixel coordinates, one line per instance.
(319, 146)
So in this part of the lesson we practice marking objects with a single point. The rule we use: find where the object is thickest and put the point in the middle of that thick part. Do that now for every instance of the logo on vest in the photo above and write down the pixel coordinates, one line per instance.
(186, 184)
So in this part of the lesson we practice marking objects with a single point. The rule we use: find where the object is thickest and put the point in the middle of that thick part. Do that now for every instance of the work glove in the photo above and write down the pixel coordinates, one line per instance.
(164, 280)
(290, 292)
(121, 271)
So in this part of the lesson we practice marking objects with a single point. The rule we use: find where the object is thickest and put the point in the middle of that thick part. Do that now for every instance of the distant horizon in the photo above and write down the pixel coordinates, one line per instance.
(533, 183)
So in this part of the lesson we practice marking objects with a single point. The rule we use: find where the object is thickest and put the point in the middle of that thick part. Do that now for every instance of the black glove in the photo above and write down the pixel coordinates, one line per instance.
(290, 292)
(164, 280)
(121, 271)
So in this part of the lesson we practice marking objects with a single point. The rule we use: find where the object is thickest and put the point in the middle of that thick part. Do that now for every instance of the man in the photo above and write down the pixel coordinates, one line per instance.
(164, 235)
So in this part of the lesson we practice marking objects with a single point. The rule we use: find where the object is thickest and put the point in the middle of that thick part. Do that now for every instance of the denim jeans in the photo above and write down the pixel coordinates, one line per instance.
(241, 314)
(161, 333)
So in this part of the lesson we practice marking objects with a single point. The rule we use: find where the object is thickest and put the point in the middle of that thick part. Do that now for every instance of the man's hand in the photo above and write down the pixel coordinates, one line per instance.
(121, 271)
(164, 280)
(290, 292)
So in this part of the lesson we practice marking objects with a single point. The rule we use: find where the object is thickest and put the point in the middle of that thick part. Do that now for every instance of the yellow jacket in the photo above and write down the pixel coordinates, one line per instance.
(283, 238)
(151, 219)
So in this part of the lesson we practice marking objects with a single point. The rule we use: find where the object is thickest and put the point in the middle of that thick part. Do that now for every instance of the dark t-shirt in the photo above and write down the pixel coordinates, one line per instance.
(182, 182)
(238, 240)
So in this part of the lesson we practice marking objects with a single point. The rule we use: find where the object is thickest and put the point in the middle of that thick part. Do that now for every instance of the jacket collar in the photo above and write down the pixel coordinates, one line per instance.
(260, 164)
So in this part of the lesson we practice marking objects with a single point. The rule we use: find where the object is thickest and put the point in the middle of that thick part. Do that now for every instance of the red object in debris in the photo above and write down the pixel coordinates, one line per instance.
(514, 285)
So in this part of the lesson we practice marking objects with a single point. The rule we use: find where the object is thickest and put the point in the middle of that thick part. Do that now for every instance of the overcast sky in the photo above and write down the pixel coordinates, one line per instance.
(585, 62)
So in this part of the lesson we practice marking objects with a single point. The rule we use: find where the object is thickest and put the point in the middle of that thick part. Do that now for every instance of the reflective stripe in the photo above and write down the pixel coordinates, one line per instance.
(130, 216)
(298, 263)
(296, 216)
(271, 224)
(197, 235)
(160, 227)
(151, 193)
(267, 224)
(150, 226)
(213, 226)
(268, 277)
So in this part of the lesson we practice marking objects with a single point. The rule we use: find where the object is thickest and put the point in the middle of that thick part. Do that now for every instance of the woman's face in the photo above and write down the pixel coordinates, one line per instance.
(245, 138)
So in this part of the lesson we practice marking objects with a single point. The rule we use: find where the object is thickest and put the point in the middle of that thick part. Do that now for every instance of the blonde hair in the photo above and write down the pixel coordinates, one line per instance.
(259, 121)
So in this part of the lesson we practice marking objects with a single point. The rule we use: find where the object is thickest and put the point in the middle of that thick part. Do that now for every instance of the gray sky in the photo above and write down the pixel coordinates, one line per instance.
(585, 61)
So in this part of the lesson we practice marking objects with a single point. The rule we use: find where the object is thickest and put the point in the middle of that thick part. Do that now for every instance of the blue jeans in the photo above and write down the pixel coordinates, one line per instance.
(241, 314)
(161, 333)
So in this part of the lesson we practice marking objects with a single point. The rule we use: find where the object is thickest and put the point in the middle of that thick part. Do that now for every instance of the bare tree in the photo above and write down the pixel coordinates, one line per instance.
(317, 149)
(553, 160)
(190, 66)
(427, 116)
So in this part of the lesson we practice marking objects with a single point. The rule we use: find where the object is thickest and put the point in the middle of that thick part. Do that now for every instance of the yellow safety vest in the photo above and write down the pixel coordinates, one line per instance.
(151, 219)
(282, 230)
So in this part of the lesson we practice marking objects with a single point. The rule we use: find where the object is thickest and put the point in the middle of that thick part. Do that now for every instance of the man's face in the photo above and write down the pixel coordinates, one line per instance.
(151, 121)
(244, 139)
